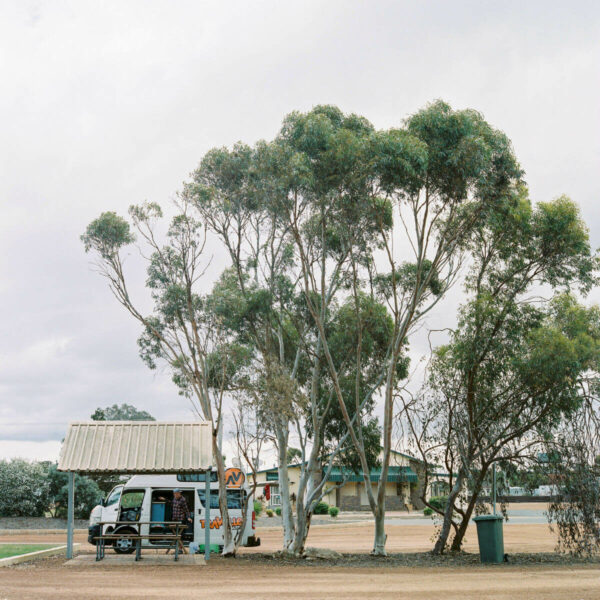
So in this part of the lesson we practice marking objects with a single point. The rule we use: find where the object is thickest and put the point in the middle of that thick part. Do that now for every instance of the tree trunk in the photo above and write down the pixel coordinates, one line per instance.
(304, 504)
(228, 541)
(303, 517)
(464, 524)
(284, 490)
(380, 535)
(442, 540)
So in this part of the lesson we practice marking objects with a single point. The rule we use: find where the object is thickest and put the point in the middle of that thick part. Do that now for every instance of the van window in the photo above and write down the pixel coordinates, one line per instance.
(196, 477)
(114, 496)
(234, 499)
(132, 499)
(131, 505)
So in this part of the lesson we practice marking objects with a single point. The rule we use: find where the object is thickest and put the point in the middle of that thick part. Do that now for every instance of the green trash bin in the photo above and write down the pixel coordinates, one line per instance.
(490, 537)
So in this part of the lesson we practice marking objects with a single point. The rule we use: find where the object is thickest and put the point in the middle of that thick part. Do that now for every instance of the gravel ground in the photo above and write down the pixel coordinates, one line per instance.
(39, 523)
(413, 559)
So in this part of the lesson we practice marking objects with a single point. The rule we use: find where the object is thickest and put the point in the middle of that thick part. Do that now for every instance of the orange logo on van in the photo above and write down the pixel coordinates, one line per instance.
(234, 478)
(217, 522)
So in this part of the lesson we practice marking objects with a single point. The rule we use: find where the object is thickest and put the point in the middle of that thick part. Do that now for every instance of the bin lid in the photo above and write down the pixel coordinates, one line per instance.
(488, 518)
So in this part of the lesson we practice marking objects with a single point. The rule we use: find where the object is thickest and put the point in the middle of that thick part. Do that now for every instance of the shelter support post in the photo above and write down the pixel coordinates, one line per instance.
(207, 515)
(70, 514)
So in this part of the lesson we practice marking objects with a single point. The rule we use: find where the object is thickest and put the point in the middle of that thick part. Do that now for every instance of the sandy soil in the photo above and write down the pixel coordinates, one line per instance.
(228, 578)
(358, 538)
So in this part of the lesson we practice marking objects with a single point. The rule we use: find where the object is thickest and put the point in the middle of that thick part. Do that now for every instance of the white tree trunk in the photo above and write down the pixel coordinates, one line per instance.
(380, 535)
(284, 489)
(228, 541)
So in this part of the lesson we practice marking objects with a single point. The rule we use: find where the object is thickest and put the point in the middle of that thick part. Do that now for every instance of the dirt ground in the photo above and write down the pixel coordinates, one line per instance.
(249, 579)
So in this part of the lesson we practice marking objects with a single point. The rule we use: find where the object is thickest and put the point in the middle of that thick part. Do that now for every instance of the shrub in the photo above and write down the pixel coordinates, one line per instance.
(87, 493)
(428, 511)
(258, 507)
(278, 511)
(25, 489)
(334, 511)
(269, 512)
(438, 502)
(321, 508)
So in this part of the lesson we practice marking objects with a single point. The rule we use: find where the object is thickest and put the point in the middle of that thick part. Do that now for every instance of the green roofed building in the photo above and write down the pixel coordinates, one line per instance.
(347, 490)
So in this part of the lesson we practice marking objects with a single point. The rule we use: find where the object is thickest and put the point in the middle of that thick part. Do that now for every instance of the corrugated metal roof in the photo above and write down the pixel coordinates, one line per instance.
(136, 447)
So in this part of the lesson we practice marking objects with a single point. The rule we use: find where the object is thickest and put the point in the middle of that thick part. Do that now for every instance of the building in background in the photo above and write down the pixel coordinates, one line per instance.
(346, 489)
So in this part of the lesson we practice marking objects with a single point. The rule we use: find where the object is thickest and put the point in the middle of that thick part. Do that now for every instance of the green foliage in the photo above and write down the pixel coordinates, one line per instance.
(258, 507)
(334, 511)
(25, 489)
(269, 512)
(278, 511)
(107, 235)
(294, 455)
(427, 511)
(438, 502)
(122, 412)
(464, 153)
(321, 508)
(87, 493)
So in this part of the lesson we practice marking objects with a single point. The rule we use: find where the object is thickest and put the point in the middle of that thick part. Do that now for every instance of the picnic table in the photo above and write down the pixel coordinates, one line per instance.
(173, 540)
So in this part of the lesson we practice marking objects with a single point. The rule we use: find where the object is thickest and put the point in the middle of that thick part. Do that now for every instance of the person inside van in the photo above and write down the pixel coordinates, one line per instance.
(180, 512)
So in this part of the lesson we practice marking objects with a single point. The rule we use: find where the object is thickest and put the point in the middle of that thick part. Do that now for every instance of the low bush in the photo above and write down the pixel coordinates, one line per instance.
(25, 488)
(322, 508)
(438, 502)
(278, 511)
(428, 511)
(334, 511)
(258, 507)
(269, 512)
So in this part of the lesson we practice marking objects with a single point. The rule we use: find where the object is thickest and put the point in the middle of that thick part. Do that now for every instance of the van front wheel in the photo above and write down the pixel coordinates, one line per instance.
(124, 545)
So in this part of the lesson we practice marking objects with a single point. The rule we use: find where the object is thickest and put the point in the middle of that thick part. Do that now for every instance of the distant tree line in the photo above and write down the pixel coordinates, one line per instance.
(38, 489)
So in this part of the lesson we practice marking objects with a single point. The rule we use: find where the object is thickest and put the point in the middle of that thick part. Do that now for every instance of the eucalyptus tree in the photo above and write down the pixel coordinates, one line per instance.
(386, 214)
(511, 366)
(180, 331)
(238, 193)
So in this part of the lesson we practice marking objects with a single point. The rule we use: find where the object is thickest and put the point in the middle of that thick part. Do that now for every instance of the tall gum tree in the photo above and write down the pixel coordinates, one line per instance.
(239, 194)
(180, 331)
(385, 213)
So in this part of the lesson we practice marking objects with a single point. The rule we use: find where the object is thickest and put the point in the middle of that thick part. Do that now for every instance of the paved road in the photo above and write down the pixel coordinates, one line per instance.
(517, 514)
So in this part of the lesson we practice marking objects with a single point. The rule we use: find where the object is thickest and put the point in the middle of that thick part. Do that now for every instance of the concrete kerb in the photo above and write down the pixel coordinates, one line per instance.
(38, 531)
(21, 558)
(148, 559)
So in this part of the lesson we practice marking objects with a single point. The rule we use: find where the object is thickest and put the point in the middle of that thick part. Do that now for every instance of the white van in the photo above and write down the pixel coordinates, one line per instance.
(147, 498)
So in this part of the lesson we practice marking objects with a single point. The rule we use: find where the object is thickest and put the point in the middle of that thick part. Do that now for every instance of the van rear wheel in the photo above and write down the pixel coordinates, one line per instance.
(124, 545)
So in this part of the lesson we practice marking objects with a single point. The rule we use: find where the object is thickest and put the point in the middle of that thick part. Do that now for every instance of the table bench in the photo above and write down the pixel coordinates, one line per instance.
(176, 536)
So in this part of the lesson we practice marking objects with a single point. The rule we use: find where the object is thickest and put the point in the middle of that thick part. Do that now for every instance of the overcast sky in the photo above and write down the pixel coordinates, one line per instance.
(104, 104)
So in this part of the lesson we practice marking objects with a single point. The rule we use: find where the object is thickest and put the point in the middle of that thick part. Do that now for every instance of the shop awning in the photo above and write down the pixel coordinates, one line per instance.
(395, 475)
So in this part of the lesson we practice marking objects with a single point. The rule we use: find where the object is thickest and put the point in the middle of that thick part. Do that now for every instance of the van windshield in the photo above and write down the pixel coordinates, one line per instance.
(234, 499)
(114, 496)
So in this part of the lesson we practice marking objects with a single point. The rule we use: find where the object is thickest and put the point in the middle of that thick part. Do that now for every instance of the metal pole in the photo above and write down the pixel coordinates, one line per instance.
(70, 514)
(207, 515)
(494, 487)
